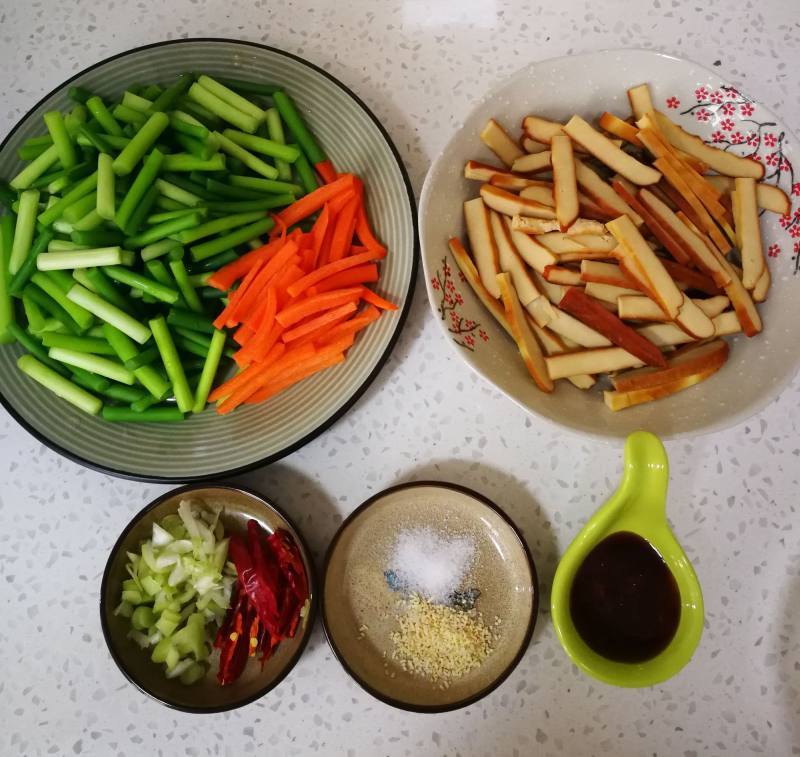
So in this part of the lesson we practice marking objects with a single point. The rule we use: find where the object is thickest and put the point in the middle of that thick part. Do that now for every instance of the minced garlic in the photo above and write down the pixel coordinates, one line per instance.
(439, 642)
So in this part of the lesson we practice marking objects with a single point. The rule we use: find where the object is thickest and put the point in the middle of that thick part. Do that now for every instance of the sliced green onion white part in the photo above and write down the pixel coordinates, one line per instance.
(179, 589)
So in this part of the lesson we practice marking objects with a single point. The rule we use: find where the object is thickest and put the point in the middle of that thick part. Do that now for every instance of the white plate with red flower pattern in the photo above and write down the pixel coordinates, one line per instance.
(758, 369)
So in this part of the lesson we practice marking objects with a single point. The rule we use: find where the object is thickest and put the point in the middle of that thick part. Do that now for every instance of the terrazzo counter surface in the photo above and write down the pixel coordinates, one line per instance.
(733, 498)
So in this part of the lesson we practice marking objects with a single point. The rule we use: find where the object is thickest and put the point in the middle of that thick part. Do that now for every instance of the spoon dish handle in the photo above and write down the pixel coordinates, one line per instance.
(646, 474)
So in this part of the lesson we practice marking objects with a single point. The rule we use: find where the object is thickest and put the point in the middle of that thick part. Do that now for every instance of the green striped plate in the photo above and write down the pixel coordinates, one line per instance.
(209, 445)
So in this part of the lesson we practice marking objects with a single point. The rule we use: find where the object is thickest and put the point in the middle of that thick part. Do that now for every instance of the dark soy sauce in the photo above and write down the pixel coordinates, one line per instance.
(624, 601)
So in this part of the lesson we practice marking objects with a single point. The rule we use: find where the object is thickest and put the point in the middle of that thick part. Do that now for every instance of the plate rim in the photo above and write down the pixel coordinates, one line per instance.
(382, 360)
(313, 582)
(534, 614)
(729, 422)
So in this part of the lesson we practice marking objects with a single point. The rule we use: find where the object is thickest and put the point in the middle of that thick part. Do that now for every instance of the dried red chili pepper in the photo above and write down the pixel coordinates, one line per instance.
(267, 600)
(232, 642)
(290, 561)
(265, 592)
(296, 590)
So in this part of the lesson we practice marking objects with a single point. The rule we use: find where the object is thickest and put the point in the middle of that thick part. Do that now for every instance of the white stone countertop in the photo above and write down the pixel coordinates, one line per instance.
(420, 65)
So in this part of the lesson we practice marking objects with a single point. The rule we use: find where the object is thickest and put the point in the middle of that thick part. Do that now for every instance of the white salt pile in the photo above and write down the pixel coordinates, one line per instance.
(430, 564)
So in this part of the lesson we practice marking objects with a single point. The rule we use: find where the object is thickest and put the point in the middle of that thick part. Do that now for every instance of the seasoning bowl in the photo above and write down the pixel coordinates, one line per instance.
(365, 594)
(638, 506)
(206, 696)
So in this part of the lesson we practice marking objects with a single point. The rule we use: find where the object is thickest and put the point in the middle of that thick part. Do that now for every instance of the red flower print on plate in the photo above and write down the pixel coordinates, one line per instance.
(717, 136)
(727, 124)
(770, 140)
(796, 189)
(737, 138)
(773, 159)
(701, 93)
(794, 232)
(728, 109)
(731, 93)
(673, 102)
(752, 138)
(746, 109)
(450, 299)
(702, 114)
(773, 251)
(715, 97)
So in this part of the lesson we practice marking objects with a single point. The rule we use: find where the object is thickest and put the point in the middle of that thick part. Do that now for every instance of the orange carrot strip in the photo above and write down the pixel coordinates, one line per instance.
(362, 274)
(325, 247)
(229, 274)
(256, 346)
(228, 387)
(253, 318)
(375, 299)
(321, 320)
(304, 308)
(351, 327)
(313, 201)
(260, 374)
(331, 268)
(224, 317)
(245, 388)
(243, 334)
(326, 170)
(318, 233)
(317, 337)
(259, 346)
(284, 280)
(337, 203)
(286, 257)
(343, 234)
(364, 232)
(275, 388)
(331, 355)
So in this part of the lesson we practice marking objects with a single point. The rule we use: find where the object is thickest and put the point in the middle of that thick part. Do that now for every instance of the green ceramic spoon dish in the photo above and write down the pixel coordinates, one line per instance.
(639, 506)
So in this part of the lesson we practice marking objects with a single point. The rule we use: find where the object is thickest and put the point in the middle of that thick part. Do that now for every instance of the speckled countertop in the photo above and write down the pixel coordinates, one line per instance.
(420, 65)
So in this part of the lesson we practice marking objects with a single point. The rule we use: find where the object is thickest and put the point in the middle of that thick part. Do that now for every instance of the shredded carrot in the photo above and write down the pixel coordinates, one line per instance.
(243, 334)
(375, 299)
(314, 201)
(284, 280)
(313, 324)
(362, 274)
(364, 232)
(351, 327)
(330, 355)
(228, 275)
(295, 309)
(337, 203)
(326, 170)
(343, 234)
(227, 388)
(304, 308)
(286, 257)
(318, 233)
(331, 268)
(260, 374)
(317, 337)
(234, 297)
(275, 387)
(257, 345)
